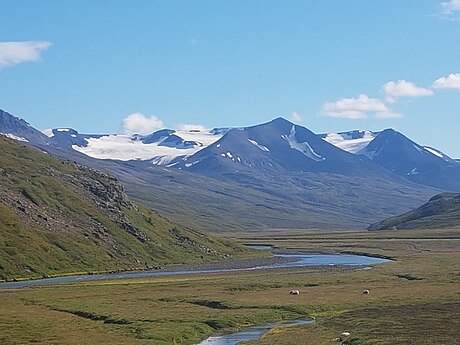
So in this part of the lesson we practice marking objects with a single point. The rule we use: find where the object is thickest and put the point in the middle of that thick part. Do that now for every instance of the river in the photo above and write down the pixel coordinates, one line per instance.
(251, 333)
(286, 261)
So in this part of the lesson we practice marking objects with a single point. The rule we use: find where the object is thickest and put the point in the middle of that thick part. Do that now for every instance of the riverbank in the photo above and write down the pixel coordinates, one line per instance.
(224, 265)
(279, 261)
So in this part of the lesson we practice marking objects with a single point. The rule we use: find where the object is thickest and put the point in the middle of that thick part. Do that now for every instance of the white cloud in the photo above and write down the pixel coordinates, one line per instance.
(138, 123)
(402, 88)
(360, 107)
(13, 53)
(452, 81)
(296, 117)
(191, 127)
(450, 7)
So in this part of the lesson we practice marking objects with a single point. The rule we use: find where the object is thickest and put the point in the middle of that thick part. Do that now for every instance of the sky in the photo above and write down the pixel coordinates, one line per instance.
(111, 66)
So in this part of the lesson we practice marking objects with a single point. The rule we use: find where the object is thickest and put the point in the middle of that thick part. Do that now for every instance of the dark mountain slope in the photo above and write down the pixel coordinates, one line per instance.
(441, 211)
(58, 217)
(251, 202)
(273, 148)
(397, 153)
(20, 129)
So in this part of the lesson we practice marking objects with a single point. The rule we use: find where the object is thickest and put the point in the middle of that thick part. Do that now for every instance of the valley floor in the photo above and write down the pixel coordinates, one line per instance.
(413, 300)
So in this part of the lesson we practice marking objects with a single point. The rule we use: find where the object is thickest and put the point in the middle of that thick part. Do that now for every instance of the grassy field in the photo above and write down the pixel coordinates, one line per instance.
(413, 300)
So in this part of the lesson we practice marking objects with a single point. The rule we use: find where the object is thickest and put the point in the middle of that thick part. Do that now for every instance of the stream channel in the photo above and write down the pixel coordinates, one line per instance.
(255, 332)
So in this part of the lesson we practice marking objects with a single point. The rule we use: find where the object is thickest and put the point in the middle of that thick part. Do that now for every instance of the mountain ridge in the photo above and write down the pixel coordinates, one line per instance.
(441, 211)
(397, 153)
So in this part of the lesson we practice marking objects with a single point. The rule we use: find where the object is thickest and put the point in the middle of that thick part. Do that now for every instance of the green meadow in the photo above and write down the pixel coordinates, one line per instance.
(413, 300)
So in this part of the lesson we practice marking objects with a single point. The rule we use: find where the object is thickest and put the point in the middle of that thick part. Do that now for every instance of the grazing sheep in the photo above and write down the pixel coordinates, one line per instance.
(294, 292)
(342, 338)
(366, 292)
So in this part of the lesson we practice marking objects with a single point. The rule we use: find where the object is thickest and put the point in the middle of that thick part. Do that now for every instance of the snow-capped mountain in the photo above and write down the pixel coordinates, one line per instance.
(421, 164)
(352, 141)
(160, 147)
(402, 156)
(397, 152)
(276, 174)
(272, 147)
(18, 129)
(68, 137)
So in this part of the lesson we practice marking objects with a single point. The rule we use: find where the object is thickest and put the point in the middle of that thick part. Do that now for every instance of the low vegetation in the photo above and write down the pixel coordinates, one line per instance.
(441, 211)
(185, 309)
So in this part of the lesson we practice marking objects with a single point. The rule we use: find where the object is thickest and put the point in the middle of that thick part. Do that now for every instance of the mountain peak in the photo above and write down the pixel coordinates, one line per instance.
(390, 132)
(424, 165)
(19, 129)
(277, 124)
(280, 120)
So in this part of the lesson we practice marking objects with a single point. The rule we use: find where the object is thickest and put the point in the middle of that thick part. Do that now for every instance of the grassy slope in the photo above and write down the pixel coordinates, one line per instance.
(441, 211)
(58, 217)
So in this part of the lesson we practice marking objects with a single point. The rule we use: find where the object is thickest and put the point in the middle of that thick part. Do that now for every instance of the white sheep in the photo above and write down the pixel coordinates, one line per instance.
(294, 292)
(343, 337)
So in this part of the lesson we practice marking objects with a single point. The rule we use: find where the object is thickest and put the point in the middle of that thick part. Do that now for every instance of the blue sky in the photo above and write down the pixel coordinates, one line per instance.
(330, 65)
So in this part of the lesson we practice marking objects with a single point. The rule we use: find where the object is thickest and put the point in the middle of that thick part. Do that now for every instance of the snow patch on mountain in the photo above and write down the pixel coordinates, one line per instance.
(434, 152)
(413, 172)
(304, 147)
(350, 141)
(163, 160)
(121, 147)
(15, 137)
(203, 138)
(262, 147)
(48, 132)
(163, 151)
(188, 165)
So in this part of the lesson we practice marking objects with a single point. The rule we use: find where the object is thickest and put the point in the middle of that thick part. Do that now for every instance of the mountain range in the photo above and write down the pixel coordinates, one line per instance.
(273, 175)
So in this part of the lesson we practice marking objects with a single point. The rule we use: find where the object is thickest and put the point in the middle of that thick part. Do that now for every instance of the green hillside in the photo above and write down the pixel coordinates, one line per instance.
(441, 211)
(58, 217)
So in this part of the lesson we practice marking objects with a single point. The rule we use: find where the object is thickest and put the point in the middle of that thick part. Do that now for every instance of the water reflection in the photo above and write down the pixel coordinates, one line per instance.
(252, 333)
